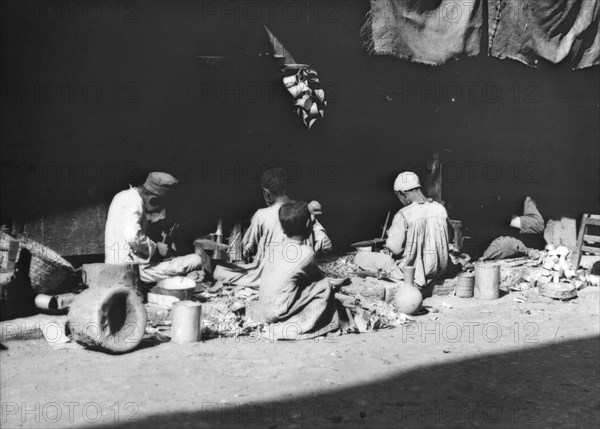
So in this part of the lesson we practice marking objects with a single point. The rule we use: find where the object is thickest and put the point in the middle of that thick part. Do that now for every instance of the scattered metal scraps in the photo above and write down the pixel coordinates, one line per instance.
(223, 313)
(339, 268)
(247, 293)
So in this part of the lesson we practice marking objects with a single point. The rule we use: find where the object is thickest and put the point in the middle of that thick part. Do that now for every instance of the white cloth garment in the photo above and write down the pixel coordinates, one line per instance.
(263, 238)
(265, 234)
(126, 240)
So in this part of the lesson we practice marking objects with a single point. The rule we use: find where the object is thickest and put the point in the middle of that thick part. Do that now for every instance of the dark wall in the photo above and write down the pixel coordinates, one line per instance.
(95, 95)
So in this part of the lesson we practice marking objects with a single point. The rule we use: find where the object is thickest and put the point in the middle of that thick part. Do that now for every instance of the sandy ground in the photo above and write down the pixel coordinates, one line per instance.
(472, 363)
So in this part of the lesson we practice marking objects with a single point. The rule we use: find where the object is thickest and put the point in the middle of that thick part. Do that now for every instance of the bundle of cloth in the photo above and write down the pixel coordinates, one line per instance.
(530, 223)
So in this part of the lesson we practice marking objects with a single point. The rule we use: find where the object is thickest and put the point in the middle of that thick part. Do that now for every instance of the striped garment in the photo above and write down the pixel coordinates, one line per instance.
(295, 298)
(263, 238)
(419, 237)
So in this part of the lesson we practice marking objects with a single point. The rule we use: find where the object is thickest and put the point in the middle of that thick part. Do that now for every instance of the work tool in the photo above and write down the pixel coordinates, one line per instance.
(367, 243)
(219, 254)
(170, 233)
(379, 274)
(210, 245)
(385, 225)
(375, 241)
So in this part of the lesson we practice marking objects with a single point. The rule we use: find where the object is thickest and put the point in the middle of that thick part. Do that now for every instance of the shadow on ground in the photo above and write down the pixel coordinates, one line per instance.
(547, 386)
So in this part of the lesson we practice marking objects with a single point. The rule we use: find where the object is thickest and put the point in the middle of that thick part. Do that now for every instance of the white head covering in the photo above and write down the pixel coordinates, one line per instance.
(406, 181)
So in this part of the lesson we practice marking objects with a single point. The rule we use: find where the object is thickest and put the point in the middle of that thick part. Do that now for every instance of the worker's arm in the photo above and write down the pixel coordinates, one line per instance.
(318, 240)
(252, 237)
(322, 243)
(310, 269)
(396, 235)
(140, 244)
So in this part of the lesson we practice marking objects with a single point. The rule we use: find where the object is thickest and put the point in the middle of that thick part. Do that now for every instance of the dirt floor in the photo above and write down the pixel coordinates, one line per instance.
(467, 363)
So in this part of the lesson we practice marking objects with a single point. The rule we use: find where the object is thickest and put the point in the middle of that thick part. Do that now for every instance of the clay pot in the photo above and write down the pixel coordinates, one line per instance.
(408, 299)
(110, 318)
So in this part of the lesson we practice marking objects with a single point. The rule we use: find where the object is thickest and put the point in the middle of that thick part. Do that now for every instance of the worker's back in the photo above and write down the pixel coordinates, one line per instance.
(427, 239)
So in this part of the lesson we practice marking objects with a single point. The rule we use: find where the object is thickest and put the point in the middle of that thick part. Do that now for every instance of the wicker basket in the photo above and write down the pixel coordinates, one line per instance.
(49, 272)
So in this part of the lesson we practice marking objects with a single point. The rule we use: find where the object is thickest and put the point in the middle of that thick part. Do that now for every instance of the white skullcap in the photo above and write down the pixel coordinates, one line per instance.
(406, 181)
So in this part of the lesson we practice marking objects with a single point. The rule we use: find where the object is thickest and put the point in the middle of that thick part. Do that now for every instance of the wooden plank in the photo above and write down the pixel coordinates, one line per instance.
(433, 178)
(457, 236)
(593, 220)
(590, 249)
(577, 254)
(591, 238)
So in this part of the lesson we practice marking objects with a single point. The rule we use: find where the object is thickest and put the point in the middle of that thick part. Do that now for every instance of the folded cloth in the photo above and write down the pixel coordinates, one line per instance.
(532, 221)
(373, 261)
(506, 247)
(424, 31)
(552, 30)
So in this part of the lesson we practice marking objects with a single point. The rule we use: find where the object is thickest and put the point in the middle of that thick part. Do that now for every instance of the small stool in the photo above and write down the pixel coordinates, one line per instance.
(209, 245)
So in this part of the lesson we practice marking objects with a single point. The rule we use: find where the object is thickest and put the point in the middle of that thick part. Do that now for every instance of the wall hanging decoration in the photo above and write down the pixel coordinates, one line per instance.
(303, 83)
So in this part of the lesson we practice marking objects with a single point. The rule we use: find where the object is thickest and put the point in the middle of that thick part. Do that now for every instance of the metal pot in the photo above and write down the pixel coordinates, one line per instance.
(179, 287)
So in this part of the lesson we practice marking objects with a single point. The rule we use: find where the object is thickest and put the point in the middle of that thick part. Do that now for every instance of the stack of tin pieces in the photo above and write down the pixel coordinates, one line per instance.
(309, 96)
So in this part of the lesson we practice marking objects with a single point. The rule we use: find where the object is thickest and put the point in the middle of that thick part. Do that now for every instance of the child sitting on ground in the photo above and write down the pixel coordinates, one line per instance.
(294, 295)
(265, 233)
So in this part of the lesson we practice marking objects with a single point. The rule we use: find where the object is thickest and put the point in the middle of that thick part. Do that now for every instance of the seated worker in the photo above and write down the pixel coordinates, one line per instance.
(126, 240)
(294, 295)
(265, 233)
(417, 237)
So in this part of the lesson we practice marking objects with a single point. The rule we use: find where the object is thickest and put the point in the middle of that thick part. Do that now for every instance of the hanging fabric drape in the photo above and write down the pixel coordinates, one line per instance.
(424, 31)
(530, 31)
(550, 30)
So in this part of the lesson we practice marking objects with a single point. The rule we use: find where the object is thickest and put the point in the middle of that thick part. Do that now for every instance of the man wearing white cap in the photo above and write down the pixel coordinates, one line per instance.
(125, 237)
(418, 235)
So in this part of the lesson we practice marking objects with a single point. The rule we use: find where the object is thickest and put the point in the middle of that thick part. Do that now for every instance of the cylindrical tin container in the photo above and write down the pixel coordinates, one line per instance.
(487, 281)
(187, 322)
(465, 282)
(46, 302)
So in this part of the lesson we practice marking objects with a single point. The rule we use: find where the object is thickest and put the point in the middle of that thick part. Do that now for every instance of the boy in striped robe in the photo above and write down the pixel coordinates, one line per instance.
(295, 297)
(265, 233)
